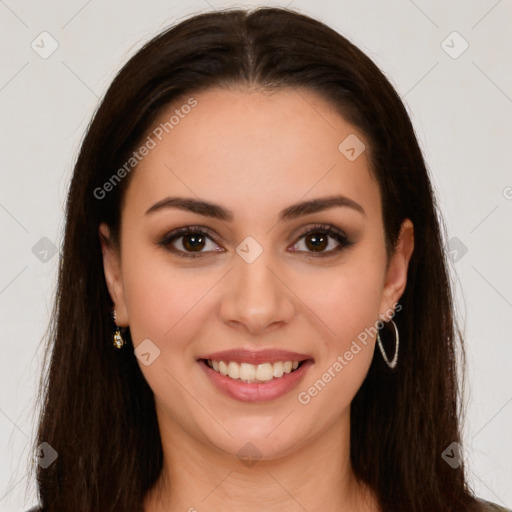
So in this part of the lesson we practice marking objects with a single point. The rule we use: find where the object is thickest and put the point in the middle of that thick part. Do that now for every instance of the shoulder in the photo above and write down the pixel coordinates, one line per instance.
(487, 506)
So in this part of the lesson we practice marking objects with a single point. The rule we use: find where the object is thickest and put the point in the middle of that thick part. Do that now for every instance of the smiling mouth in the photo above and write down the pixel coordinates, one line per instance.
(250, 373)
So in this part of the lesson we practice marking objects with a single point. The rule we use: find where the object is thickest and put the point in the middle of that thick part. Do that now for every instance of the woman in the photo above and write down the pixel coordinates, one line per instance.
(253, 306)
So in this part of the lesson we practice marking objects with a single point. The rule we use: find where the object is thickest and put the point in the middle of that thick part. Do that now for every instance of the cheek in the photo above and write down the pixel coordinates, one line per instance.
(159, 296)
(346, 302)
(350, 308)
(347, 299)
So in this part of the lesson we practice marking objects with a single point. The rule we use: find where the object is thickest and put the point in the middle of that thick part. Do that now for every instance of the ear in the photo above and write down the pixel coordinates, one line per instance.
(113, 274)
(396, 273)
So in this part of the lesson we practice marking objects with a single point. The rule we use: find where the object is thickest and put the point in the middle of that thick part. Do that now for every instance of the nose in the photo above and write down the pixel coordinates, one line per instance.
(256, 297)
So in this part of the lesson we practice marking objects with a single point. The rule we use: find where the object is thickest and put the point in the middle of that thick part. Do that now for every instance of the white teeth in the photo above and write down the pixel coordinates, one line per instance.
(278, 369)
(223, 367)
(247, 372)
(234, 370)
(265, 372)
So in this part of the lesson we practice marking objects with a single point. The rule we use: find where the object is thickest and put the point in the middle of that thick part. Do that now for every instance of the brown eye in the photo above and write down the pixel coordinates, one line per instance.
(317, 241)
(193, 242)
(318, 238)
(189, 242)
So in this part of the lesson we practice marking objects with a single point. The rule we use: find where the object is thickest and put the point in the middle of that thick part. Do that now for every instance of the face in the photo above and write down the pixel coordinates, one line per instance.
(248, 277)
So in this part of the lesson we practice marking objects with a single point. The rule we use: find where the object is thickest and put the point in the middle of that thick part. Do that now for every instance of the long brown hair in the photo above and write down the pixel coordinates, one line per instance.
(98, 411)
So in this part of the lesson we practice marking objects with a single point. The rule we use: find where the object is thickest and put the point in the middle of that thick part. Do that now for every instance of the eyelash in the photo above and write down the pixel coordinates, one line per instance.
(325, 229)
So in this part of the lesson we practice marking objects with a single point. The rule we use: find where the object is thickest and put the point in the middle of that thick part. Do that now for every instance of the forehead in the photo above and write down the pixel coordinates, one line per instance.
(253, 150)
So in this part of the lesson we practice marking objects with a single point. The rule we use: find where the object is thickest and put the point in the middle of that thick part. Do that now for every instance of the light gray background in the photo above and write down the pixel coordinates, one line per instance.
(461, 109)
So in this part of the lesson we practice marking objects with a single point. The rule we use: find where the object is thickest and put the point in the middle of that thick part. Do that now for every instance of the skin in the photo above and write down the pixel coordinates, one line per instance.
(254, 153)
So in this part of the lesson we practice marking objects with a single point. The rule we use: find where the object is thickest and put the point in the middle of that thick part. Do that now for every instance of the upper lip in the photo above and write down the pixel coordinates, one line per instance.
(242, 355)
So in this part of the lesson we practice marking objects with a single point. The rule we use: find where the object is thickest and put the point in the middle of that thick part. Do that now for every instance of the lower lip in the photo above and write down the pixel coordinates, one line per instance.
(256, 392)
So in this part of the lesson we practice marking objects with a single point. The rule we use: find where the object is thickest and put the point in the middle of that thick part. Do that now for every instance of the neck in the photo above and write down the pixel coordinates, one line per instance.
(315, 477)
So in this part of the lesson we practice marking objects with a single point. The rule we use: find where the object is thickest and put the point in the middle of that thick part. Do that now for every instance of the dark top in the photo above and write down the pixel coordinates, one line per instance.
(491, 507)
(488, 507)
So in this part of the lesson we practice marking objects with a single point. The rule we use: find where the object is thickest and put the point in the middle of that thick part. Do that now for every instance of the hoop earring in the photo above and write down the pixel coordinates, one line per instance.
(391, 364)
(118, 339)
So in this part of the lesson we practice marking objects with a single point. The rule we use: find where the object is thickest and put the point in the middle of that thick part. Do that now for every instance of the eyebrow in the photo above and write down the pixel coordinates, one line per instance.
(216, 211)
